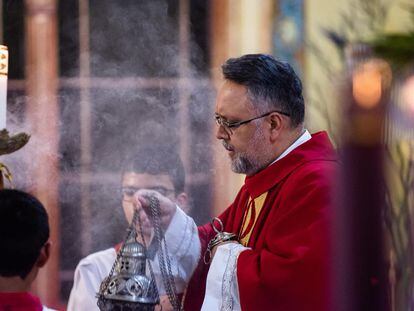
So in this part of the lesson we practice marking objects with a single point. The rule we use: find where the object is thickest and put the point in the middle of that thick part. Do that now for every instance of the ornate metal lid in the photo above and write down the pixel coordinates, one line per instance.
(133, 248)
(129, 283)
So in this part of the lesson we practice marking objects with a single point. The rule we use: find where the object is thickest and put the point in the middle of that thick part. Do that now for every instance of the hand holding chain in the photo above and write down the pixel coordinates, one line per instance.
(220, 237)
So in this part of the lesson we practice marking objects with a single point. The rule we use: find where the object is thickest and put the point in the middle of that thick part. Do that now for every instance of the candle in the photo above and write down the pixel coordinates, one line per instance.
(4, 58)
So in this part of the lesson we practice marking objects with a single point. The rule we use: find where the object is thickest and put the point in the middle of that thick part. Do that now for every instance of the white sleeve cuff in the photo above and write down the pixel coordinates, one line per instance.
(222, 292)
(181, 233)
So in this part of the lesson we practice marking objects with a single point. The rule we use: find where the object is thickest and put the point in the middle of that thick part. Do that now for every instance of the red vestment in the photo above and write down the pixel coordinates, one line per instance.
(287, 268)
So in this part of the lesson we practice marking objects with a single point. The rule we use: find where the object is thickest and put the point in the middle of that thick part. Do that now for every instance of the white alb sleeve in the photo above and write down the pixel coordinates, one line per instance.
(89, 274)
(222, 291)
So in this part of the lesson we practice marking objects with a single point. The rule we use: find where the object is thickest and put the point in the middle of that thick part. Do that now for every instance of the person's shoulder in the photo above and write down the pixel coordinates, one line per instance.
(318, 166)
(98, 258)
(317, 172)
(47, 309)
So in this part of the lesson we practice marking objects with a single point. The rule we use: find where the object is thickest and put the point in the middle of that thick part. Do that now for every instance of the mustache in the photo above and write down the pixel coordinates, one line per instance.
(227, 146)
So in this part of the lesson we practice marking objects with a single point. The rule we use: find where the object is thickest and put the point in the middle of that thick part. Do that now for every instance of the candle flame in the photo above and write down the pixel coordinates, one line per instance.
(368, 82)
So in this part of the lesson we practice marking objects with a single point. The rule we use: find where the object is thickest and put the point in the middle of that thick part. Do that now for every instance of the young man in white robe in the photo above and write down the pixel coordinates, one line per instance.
(160, 173)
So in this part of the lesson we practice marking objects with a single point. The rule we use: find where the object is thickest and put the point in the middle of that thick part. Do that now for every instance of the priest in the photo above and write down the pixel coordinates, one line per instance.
(275, 254)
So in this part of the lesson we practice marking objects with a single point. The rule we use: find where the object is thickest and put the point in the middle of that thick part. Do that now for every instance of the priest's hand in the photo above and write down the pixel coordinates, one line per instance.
(167, 208)
(144, 228)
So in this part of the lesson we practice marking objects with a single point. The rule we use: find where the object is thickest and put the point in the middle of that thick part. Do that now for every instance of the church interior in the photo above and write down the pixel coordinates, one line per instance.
(89, 80)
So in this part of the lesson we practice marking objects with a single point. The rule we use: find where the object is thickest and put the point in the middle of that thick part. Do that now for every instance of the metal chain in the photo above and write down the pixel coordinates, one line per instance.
(164, 260)
(166, 272)
(170, 275)
(149, 261)
(130, 231)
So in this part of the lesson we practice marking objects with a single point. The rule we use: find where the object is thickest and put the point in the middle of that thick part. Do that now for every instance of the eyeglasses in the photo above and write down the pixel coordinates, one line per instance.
(229, 125)
(130, 191)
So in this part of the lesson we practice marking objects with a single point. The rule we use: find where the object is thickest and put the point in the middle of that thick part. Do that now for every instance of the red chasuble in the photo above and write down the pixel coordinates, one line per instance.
(287, 268)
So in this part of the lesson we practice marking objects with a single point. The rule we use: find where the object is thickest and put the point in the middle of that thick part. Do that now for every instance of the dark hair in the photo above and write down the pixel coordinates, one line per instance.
(157, 161)
(24, 230)
(271, 84)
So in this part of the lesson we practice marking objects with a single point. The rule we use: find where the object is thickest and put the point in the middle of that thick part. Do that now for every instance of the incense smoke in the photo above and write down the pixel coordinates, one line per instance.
(127, 40)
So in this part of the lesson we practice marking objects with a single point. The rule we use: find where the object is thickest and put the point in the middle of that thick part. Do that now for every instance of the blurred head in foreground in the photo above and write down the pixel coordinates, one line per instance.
(24, 231)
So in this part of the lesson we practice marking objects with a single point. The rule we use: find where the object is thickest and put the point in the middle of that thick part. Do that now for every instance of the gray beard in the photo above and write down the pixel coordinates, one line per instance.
(242, 163)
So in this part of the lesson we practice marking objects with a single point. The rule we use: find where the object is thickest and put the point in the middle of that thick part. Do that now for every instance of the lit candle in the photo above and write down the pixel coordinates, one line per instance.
(4, 58)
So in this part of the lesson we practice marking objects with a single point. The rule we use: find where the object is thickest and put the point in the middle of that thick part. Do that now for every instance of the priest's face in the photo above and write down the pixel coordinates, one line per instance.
(132, 182)
(246, 144)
